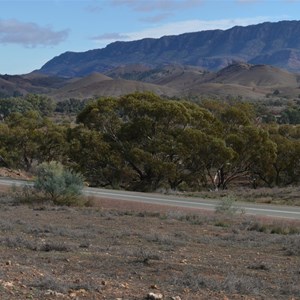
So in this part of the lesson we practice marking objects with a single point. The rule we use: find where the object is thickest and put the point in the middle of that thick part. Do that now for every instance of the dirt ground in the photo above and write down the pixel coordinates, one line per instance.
(117, 250)
(15, 174)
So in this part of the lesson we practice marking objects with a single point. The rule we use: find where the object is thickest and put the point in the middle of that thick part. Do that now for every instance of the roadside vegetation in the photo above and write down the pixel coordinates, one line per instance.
(53, 184)
(146, 143)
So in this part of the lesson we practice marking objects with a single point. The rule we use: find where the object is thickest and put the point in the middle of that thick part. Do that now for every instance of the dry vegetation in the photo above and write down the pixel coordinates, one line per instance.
(117, 250)
(277, 195)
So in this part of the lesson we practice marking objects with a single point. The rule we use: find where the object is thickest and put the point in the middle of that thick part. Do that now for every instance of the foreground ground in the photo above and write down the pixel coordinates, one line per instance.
(117, 250)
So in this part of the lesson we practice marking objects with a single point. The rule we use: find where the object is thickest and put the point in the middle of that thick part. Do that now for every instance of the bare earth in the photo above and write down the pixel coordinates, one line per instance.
(117, 250)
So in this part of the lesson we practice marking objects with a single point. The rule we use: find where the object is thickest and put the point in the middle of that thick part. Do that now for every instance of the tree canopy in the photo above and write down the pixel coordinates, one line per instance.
(143, 142)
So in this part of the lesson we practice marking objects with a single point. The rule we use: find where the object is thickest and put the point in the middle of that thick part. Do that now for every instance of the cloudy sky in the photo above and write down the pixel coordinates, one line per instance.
(34, 31)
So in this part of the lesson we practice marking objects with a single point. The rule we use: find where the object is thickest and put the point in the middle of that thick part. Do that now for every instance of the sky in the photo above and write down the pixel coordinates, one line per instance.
(34, 31)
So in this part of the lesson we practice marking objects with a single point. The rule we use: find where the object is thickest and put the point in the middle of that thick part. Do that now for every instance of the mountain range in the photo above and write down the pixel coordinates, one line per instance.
(253, 62)
(276, 44)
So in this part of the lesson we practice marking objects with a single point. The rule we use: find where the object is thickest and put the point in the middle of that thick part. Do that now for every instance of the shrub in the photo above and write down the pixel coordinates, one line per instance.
(57, 184)
(226, 206)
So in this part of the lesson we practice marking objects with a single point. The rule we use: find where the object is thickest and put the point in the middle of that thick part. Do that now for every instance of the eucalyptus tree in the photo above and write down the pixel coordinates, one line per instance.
(151, 136)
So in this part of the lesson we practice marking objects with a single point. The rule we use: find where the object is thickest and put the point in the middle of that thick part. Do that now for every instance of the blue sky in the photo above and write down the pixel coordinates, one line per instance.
(32, 32)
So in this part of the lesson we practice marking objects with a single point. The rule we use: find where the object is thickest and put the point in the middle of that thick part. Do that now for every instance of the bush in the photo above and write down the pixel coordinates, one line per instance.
(57, 184)
(226, 206)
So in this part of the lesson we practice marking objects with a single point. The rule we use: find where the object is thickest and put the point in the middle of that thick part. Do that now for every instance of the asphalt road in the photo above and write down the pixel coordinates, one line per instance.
(276, 211)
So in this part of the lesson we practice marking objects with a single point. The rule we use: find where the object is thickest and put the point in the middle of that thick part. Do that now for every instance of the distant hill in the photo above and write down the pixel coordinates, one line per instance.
(237, 80)
(247, 81)
(16, 85)
(256, 76)
(97, 85)
(251, 82)
(276, 44)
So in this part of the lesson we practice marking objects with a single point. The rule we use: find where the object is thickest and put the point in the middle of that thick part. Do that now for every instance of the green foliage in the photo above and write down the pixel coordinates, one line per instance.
(13, 105)
(59, 185)
(42, 104)
(286, 168)
(70, 106)
(151, 136)
(143, 142)
(290, 116)
(27, 139)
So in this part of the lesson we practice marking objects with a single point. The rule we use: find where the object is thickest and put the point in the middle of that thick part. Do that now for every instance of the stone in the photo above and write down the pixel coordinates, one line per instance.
(154, 287)
(153, 296)
(53, 293)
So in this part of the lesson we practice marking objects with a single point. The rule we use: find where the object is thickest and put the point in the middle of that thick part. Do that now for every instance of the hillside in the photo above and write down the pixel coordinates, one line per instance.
(276, 44)
(256, 75)
(97, 85)
(238, 80)
(252, 82)
(16, 85)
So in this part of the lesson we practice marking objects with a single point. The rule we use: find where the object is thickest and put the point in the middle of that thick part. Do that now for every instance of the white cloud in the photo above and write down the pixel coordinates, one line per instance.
(176, 28)
(157, 5)
(156, 18)
(193, 26)
(29, 34)
(110, 36)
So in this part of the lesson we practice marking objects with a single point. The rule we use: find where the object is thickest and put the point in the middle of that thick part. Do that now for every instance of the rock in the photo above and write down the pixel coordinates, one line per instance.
(154, 287)
(176, 298)
(53, 293)
(72, 295)
(153, 296)
(125, 285)
(8, 263)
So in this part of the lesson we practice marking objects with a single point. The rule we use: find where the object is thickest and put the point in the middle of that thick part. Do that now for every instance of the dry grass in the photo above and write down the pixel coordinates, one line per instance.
(125, 250)
(276, 195)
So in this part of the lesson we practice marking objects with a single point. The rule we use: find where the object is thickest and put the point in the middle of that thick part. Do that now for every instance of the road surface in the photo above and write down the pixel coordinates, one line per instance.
(276, 211)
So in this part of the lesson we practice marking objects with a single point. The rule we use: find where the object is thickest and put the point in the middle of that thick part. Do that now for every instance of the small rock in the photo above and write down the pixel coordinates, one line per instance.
(154, 287)
(53, 293)
(8, 263)
(125, 285)
(72, 294)
(152, 296)
(176, 298)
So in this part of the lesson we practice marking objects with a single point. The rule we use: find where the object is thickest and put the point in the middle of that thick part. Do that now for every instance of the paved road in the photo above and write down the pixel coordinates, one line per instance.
(276, 211)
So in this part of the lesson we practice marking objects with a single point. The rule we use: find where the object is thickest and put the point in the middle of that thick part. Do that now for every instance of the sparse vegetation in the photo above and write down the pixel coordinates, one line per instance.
(46, 251)
(57, 184)
(54, 184)
(226, 206)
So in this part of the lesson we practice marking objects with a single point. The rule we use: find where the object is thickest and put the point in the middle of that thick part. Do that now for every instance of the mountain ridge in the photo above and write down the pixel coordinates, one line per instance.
(277, 44)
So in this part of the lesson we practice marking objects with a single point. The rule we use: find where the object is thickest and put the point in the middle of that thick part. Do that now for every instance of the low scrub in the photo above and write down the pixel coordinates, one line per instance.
(53, 184)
